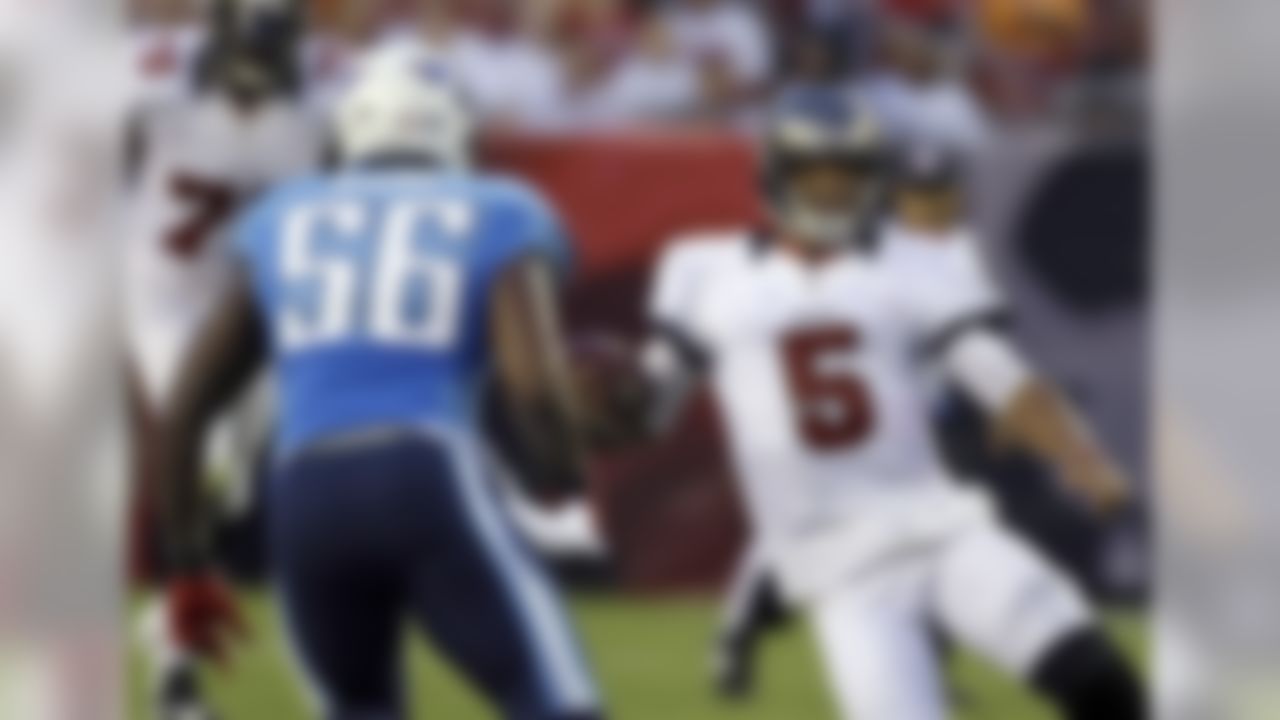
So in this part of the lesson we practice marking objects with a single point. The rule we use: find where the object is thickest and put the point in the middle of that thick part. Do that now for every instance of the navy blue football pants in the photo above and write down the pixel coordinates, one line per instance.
(369, 534)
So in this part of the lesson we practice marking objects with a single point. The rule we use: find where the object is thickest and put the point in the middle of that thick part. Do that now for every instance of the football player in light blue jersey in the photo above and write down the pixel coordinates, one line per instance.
(386, 295)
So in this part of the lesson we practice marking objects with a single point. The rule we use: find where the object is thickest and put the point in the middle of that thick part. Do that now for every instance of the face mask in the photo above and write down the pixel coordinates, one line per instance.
(822, 228)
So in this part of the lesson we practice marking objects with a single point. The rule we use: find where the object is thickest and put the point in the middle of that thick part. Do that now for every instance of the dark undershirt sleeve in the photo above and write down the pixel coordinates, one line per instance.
(693, 355)
(938, 342)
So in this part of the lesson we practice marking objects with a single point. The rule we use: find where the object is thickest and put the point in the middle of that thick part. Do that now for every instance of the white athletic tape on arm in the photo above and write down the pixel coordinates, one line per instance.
(987, 365)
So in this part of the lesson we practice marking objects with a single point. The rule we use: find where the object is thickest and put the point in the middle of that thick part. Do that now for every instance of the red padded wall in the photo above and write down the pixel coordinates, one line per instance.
(668, 508)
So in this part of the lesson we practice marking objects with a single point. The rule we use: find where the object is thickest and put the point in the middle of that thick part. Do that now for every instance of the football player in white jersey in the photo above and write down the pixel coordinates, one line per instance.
(819, 353)
(925, 209)
(239, 126)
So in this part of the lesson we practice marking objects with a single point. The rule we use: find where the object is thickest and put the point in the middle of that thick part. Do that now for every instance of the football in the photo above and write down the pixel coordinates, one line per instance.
(612, 386)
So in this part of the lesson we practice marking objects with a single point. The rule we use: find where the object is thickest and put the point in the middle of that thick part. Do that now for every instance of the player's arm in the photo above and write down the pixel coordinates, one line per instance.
(673, 365)
(222, 360)
(673, 360)
(533, 369)
(1030, 414)
(956, 302)
(202, 614)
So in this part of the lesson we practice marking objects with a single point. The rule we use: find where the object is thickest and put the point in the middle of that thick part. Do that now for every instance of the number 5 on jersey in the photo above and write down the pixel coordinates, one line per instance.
(833, 405)
(396, 293)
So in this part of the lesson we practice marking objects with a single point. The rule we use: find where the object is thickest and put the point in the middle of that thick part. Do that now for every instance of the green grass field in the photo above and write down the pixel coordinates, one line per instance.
(651, 657)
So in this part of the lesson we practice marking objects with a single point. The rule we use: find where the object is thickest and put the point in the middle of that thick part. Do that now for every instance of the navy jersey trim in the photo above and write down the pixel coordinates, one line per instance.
(998, 320)
(692, 354)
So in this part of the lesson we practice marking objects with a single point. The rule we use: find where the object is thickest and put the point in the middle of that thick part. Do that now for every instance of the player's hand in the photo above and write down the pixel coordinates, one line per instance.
(203, 616)
(613, 389)
(1099, 481)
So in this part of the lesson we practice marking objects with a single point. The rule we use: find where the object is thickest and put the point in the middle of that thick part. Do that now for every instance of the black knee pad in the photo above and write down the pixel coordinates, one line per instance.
(1089, 680)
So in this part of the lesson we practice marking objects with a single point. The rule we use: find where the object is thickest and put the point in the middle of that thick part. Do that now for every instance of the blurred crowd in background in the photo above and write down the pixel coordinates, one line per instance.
(947, 70)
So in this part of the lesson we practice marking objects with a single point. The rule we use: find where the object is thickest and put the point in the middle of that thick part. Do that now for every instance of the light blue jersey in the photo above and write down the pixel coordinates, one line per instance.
(374, 287)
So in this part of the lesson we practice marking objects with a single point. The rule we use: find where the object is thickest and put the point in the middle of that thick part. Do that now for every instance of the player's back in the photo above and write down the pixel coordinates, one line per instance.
(374, 286)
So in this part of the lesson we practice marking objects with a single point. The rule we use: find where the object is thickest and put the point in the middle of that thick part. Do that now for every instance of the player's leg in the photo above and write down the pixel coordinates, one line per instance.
(240, 533)
(341, 596)
(488, 602)
(172, 673)
(1086, 677)
(751, 609)
(999, 597)
(874, 639)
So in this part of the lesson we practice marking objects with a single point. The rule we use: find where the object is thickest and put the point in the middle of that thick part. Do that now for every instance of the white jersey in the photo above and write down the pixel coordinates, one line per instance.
(202, 160)
(819, 370)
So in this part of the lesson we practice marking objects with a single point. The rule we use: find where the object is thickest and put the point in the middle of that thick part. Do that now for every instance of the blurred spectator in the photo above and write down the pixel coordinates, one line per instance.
(653, 82)
(849, 23)
(357, 24)
(437, 27)
(1109, 89)
(928, 11)
(147, 14)
(1028, 51)
(167, 34)
(524, 79)
(816, 60)
(1043, 31)
(495, 52)
(831, 13)
(340, 32)
(921, 91)
(731, 45)
(589, 38)
(617, 69)
(569, 64)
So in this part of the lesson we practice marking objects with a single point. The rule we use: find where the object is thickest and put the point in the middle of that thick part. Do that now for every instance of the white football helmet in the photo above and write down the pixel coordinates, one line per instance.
(404, 100)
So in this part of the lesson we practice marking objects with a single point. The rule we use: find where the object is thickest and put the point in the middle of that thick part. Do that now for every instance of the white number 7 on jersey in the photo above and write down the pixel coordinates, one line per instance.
(398, 268)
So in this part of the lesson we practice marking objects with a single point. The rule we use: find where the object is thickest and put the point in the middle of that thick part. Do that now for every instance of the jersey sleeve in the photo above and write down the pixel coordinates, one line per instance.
(947, 291)
(989, 367)
(674, 298)
(676, 353)
(528, 225)
(673, 287)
